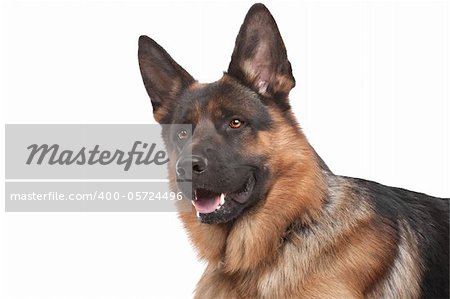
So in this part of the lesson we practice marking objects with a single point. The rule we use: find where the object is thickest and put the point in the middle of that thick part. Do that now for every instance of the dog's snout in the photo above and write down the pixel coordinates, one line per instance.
(191, 164)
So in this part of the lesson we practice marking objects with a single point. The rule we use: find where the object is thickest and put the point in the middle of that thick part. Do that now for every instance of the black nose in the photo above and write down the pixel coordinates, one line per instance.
(191, 164)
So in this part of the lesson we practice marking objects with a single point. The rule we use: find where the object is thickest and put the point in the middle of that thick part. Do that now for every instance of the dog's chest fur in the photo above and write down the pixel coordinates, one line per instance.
(335, 256)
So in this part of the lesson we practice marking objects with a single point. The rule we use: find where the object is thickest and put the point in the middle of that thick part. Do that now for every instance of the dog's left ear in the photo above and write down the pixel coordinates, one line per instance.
(164, 79)
(259, 58)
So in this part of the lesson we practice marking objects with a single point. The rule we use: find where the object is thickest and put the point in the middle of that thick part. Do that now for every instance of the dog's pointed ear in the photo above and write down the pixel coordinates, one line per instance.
(163, 78)
(259, 58)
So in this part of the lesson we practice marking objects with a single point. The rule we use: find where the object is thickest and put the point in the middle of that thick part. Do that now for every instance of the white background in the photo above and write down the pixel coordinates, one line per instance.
(372, 97)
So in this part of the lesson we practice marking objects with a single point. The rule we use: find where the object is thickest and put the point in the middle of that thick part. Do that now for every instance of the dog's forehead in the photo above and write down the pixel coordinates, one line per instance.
(220, 99)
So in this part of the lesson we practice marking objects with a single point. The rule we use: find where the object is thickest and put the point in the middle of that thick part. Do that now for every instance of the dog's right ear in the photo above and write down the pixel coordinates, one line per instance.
(163, 78)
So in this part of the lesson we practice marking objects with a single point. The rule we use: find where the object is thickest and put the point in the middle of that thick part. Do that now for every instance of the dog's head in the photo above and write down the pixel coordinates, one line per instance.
(233, 119)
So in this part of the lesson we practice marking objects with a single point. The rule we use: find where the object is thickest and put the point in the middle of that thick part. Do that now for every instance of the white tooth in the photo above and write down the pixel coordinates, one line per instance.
(222, 199)
(198, 214)
(192, 202)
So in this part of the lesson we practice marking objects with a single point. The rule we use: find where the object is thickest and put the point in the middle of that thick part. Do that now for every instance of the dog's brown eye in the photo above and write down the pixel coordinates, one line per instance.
(183, 134)
(235, 123)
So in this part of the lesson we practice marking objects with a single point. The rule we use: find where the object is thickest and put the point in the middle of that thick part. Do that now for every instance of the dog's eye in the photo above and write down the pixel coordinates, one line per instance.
(182, 134)
(235, 123)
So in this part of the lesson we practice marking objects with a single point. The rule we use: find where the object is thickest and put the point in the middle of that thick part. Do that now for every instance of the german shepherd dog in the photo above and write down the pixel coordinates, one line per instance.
(270, 218)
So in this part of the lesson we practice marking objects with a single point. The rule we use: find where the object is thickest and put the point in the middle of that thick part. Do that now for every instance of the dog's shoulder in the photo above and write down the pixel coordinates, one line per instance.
(427, 220)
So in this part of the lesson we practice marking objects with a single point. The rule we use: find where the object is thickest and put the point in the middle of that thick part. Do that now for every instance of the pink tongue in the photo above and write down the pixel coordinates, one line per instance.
(206, 205)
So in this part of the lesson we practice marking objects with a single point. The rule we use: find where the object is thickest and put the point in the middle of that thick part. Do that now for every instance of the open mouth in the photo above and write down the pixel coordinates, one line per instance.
(207, 201)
